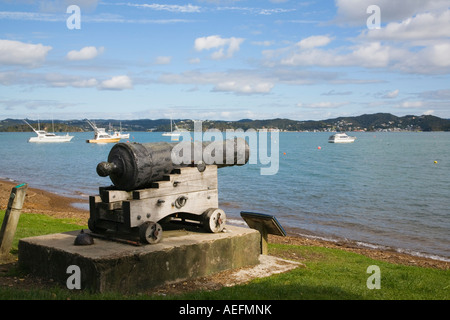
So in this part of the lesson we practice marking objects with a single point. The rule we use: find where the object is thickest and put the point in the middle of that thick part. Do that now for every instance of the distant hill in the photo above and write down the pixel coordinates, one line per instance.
(381, 121)
(365, 122)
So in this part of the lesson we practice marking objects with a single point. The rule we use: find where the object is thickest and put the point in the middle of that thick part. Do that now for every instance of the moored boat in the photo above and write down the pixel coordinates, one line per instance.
(341, 138)
(100, 135)
(119, 134)
(172, 133)
(43, 136)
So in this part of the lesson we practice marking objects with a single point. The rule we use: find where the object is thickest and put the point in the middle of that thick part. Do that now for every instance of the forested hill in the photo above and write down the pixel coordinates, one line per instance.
(366, 122)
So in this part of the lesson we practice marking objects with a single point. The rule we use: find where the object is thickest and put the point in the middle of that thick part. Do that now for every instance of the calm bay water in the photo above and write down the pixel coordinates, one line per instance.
(383, 190)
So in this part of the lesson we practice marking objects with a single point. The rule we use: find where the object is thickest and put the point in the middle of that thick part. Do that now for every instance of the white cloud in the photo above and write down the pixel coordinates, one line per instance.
(255, 11)
(194, 60)
(255, 81)
(217, 42)
(243, 87)
(20, 53)
(34, 104)
(238, 82)
(59, 6)
(424, 39)
(411, 104)
(438, 55)
(436, 94)
(189, 8)
(206, 43)
(86, 53)
(431, 58)
(337, 93)
(266, 43)
(314, 41)
(117, 83)
(322, 105)
(392, 94)
(85, 83)
(369, 55)
(353, 12)
(31, 16)
(424, 26)
(61, 80)
(97, 18)
(415, 39)
(161, 60)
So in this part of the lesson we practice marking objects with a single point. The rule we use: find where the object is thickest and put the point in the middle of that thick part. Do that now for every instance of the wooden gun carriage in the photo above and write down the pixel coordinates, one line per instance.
(138, 203)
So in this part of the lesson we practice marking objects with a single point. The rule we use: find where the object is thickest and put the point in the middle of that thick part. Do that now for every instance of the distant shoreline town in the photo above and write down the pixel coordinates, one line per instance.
(384, 122)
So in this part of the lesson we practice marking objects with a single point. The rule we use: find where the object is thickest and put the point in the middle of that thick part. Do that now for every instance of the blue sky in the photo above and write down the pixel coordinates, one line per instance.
(223, 59)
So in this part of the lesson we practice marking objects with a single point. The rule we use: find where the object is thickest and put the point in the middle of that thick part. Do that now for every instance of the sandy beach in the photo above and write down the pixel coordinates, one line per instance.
(43, 202)
(40, 201)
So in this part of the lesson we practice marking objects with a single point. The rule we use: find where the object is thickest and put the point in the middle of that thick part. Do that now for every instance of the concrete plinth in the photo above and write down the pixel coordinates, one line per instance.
(112, 266)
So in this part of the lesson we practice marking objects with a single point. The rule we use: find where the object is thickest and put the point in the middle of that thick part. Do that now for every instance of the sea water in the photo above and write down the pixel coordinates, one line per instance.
(384, 190)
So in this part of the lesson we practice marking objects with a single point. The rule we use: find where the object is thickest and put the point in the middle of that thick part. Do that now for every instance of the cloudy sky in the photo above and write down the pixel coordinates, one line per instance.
(223, 59)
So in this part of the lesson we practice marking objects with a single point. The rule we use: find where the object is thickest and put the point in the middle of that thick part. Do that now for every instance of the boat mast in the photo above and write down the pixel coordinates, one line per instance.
(30, 126)
(92, 124)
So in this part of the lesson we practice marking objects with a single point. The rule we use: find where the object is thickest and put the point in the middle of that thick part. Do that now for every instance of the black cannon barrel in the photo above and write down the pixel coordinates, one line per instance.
(133, 166)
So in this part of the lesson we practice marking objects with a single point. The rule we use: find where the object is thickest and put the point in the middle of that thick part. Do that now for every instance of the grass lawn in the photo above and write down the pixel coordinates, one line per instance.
(330, 274)
(333, 274)
(31, 225)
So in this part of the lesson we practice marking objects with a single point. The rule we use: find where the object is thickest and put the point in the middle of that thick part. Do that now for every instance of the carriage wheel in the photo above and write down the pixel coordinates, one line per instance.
(150, 232)
(214, 220)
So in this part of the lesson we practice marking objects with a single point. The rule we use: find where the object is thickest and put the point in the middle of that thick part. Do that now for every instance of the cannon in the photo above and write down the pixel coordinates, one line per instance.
(155, 183)
(133, 165)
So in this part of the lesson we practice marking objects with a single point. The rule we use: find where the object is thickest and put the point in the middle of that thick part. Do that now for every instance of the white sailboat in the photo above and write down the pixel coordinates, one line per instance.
(44, 136)
(120, 134)
(172, 133)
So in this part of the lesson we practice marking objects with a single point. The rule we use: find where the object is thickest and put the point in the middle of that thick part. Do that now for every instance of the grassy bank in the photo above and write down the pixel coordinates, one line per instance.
(328, 274)
(333, 274)
(31, 225)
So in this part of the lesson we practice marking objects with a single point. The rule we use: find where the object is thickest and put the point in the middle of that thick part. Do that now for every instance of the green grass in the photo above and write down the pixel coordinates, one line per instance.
(333, 274)
(330, 274)
(31, 225)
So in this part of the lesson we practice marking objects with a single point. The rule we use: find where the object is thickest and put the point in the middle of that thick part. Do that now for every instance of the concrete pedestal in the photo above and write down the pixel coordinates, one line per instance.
(112, 266)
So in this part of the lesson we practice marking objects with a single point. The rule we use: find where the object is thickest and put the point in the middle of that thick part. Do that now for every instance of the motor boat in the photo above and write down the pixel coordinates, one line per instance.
(43, 136)
(100, 135)
(341, 138)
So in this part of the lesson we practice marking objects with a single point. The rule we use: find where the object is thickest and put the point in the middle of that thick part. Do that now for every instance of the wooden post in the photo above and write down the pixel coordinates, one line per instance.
(263, 231)
(11, 219)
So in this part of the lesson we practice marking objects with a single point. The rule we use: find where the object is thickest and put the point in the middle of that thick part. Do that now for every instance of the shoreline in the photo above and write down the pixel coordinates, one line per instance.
(44, 202)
